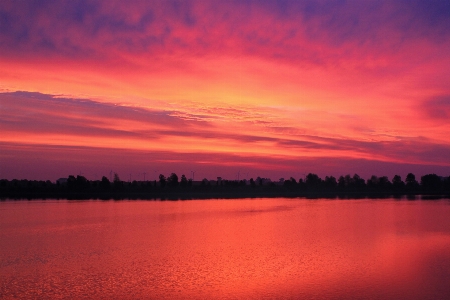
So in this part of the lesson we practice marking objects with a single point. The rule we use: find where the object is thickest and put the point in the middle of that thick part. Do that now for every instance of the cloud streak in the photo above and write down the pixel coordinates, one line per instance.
(286, 80)
(202, 26)
(94, 162)
(64, 122)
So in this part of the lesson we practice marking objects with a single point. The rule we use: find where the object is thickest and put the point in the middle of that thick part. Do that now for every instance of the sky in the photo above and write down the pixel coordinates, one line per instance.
(236, 89)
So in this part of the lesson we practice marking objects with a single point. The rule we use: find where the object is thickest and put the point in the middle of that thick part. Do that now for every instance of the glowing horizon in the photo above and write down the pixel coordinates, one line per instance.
(266, 89)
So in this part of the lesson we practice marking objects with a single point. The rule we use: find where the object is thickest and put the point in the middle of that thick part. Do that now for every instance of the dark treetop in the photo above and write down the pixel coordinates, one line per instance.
(173, 187)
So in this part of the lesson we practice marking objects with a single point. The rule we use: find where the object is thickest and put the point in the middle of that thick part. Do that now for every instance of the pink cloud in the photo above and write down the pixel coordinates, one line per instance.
(74, 123)
(287, 80)
(42, 162)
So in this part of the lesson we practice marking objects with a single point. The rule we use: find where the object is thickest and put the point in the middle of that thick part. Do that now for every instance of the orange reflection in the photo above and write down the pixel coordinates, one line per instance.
(259, 248)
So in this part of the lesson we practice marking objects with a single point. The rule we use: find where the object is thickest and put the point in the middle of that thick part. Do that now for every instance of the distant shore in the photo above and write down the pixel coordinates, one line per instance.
(189, 195)
(349, 187)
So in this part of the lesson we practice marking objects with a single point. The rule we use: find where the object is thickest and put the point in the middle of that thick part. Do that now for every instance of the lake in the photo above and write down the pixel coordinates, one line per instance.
(225, 249)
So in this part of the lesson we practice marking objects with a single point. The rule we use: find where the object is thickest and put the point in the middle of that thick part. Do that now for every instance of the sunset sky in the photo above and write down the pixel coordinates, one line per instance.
(256, 88)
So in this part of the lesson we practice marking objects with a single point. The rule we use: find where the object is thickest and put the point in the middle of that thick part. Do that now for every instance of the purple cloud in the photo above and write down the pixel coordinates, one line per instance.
(40, 114)
(437, 108)
(25, 161)
(311, 31)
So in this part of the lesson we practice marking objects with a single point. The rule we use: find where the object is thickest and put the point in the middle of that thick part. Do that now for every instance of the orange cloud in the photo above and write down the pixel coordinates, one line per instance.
(293, 80)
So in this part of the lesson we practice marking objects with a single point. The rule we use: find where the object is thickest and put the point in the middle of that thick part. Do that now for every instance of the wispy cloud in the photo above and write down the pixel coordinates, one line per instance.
(437, 108)
(76, 120)
(279, 80)
(33, 160)
(308, 31)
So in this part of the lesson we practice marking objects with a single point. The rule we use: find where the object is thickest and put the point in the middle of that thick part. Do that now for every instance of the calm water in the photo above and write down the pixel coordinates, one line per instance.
(226, 249)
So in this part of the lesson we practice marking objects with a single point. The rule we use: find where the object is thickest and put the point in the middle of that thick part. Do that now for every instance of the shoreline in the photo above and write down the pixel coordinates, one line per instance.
(190, 194)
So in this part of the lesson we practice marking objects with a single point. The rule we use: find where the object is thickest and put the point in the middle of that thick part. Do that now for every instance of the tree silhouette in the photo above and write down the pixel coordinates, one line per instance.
(172, 180)
(105, 183)
(358, 182)
(411, 180)
(341, 182)
(259, 180)
(290, 182)
(116, 177)
(252, 182)
(71, 182)
(82, 182)
(348, 180)
(117, 182)
(384, 184)
(397, 183)
(162, 180)
(183, 181)
(431, 183)
(446, 185)
(372, 183)
(313, 186)
(330, 182)
(313, 181)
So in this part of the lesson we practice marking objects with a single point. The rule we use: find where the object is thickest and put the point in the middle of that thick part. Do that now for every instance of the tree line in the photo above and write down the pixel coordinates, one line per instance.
(174, 187)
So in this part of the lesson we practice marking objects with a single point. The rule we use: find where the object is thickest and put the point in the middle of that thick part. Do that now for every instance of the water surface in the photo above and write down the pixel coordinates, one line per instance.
(253, 248)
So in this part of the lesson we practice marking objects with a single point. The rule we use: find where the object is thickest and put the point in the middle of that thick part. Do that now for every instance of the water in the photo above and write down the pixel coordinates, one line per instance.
(225, 249)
